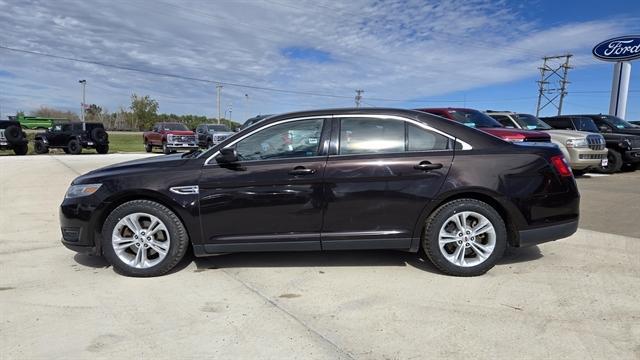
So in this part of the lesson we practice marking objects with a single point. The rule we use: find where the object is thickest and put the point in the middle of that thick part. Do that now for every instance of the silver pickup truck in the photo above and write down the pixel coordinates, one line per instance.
(584, 151)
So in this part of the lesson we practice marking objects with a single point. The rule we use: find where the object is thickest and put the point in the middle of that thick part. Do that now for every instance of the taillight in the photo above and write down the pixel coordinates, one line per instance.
(561, 165)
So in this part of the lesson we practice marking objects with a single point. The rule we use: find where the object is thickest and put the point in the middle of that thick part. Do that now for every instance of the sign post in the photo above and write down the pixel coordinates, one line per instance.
(622, 50)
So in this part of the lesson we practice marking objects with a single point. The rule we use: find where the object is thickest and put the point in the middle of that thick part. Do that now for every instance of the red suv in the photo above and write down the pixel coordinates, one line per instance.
(476, 119)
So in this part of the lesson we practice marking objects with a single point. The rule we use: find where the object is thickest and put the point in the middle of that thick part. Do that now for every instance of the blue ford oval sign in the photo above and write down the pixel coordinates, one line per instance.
(623, 48)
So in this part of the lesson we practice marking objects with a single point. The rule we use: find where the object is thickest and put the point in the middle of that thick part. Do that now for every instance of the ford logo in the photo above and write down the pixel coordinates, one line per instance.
(622, 48)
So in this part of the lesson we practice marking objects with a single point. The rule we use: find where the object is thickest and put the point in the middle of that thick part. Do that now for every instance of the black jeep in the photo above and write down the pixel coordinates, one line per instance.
(70, 137)
(12, 137)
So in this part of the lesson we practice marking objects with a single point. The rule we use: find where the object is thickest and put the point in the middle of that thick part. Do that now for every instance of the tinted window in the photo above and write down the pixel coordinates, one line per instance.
(585, 124)
(473, 118)
(419, 139)
(221, 128)
(288, 140)
(531, 122)
(173, 126)
(367, 135)
(504, 120)
(617, 122)
(560, 123)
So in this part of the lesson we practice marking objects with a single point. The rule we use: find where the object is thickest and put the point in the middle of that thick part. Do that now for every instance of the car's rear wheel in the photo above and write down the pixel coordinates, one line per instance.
(21, 149)
(614, 162)
(39, 147)
(102, 149)
(74, 147)
(465, 237)
(143, 238)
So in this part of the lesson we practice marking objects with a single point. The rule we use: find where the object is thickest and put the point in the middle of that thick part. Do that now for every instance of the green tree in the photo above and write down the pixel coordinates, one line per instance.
(92, 112)
(145, 111)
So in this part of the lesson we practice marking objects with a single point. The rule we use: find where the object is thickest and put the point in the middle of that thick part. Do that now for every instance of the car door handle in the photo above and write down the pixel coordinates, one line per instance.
(426, 166)
(301, 170)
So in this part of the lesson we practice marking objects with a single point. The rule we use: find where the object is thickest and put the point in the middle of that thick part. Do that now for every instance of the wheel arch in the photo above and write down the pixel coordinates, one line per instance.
(510, 214)
(140, 194)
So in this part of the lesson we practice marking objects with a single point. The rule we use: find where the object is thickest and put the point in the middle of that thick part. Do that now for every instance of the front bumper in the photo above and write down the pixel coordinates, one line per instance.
(547, 233)
(171, 145)
(583, 158)
(77, 225)
(632, 155)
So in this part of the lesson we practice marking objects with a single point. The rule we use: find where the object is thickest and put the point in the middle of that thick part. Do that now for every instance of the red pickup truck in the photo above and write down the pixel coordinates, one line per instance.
(481, 121)
(170, 136)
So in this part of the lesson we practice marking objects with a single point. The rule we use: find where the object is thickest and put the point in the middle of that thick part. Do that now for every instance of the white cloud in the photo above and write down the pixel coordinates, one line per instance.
(392, 49)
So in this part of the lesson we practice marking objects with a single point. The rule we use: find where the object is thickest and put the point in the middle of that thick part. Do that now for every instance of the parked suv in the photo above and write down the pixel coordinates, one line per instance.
(171, 136)
(476, 119)
(613, 124)
(341, 179)
(212, 134)
(12, 137)
(70, 137)
(623, 149)
(584, 151)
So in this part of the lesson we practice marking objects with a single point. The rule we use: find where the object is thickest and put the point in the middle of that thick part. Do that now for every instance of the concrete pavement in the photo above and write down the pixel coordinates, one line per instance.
(572, 298)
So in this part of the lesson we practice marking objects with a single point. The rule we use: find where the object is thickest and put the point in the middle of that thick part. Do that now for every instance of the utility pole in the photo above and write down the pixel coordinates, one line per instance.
(248, 114)
(82, 105)
(553, 82)
(359, 93)
(230, 110)
(219, 92)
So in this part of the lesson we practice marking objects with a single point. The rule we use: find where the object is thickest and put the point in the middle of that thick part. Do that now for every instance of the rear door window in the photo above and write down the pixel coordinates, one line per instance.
(371, 136)
(419, 139)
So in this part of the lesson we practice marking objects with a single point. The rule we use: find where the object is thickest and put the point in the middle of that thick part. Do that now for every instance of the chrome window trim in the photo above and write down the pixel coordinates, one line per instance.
(465, 145)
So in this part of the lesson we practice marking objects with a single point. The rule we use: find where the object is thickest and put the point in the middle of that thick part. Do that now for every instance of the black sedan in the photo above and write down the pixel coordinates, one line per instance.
(340, 179)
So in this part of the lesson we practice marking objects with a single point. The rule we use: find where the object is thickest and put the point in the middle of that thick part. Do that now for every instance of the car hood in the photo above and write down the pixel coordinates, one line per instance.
(628, 131)
(618, 137)
(568, 134)
(179, 132)
(221, 133)
(132, 167)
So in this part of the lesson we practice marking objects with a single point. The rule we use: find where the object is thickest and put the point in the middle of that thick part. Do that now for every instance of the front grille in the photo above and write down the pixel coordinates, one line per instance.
(219, 138)
(592, 156)
(596, 142)
(537, 139)
(183, 138)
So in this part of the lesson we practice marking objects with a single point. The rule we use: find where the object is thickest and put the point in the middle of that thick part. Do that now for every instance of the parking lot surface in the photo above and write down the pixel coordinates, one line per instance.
(573, 298)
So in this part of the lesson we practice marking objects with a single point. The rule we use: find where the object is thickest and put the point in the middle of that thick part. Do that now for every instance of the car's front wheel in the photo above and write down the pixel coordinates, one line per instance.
(143, 238)
(40, 147)
(165, 149)
(465, 237)
(147, 147)
(614, 162)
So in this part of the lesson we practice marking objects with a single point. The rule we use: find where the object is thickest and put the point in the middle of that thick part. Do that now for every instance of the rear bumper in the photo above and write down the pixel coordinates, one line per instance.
(547, 233)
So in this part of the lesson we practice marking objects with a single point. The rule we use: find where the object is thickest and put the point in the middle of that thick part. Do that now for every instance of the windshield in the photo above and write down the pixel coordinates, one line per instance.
(173, 126)
(585, 124)
(617, 122)
(531, 122)
(474, 118)
(218, 128)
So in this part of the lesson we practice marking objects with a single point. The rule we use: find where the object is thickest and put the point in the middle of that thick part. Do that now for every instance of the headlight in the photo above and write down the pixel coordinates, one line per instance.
(170, 137)
(577, 143)
(82, 190)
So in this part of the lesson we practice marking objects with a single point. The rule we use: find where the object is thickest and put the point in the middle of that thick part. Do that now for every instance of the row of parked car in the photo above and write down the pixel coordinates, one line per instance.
(71, 137)
(592, 142)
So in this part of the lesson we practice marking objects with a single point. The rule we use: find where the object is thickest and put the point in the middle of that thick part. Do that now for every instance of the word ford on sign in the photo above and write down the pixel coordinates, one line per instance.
(618, 49)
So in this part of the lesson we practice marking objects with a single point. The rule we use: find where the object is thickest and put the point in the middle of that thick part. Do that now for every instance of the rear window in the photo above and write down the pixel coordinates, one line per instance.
(474, 118)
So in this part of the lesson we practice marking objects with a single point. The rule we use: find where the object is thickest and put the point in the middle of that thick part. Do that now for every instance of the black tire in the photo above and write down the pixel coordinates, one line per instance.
(165, 149)
(13, 134)
(66, 151)
(74, 147)
(614, 163)
(99, 135)
(21, 149)
(435, 221)
(179, 239)
(209, 144)
(147, 147)
(102, 149)
(39, 147)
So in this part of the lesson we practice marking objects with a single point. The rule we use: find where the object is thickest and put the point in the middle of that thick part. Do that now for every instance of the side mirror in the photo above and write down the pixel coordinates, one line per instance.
(604, 128)
(227, 156)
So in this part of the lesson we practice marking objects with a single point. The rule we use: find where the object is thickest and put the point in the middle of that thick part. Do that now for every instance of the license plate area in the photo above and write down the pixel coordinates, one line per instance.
(604, 162)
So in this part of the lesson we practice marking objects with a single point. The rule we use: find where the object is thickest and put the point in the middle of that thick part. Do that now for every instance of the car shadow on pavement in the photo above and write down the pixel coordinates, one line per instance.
(97, 262)
(519, 255)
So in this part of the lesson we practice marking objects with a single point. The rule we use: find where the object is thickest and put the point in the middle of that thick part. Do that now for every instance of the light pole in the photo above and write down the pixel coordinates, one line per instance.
(84, 84)
(248, 114)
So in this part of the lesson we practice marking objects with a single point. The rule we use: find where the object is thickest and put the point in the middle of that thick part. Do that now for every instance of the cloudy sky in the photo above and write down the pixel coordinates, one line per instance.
(281, 55)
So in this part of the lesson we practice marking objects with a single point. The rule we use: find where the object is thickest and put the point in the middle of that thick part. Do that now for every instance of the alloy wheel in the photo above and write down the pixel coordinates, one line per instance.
(467, 239)
(141, 240)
